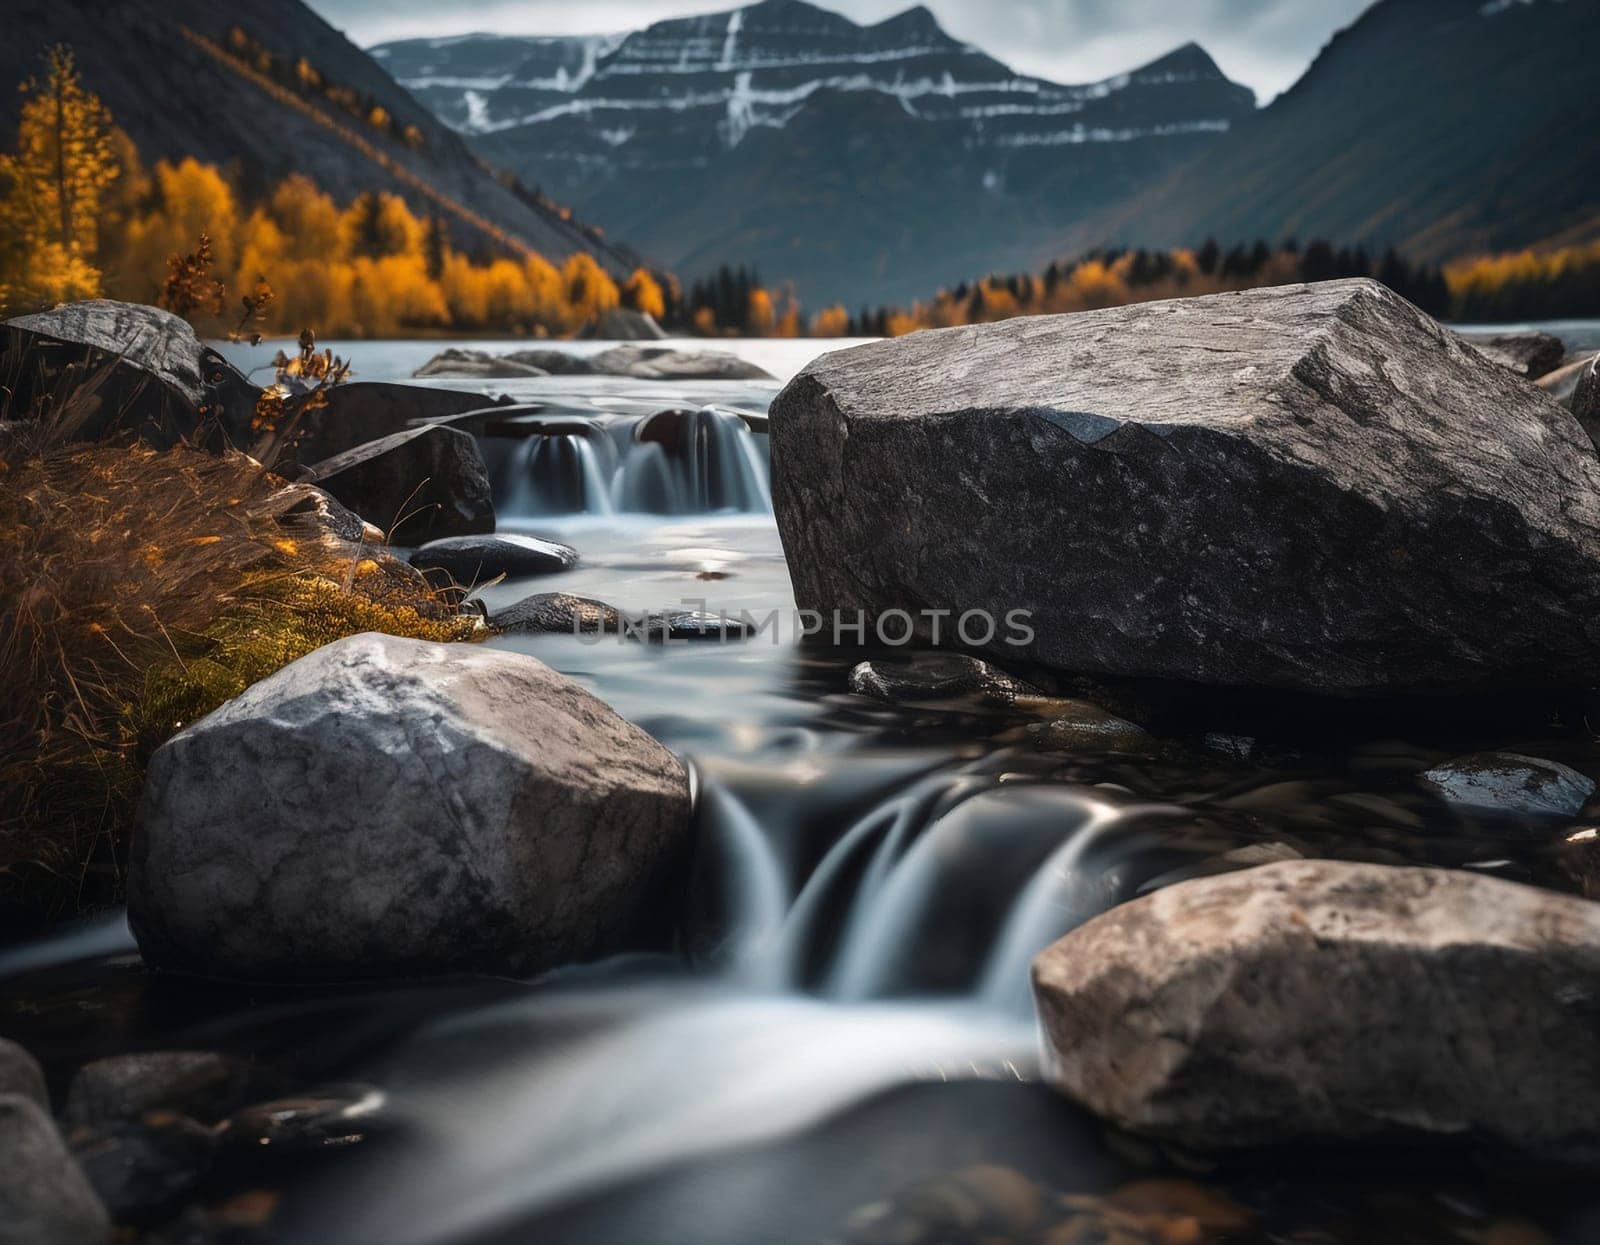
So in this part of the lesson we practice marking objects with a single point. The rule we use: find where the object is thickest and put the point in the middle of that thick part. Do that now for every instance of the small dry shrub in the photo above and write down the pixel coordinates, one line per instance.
(139, 589)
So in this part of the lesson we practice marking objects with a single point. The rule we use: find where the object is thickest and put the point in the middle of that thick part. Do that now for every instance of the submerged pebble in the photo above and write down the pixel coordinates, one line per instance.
(1508, 782)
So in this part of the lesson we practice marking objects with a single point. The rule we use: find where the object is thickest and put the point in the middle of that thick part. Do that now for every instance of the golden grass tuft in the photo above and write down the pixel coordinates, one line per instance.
(139, 589)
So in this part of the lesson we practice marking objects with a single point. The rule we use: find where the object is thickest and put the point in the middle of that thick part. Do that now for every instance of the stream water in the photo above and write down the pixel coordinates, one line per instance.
(846, 1013)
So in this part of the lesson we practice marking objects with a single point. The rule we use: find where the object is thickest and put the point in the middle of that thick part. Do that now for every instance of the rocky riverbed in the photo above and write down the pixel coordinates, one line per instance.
(792, 890)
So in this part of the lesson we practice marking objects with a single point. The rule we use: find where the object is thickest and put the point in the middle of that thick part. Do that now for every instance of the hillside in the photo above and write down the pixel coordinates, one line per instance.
(750, 135)
(1444, 127)
(267, 88)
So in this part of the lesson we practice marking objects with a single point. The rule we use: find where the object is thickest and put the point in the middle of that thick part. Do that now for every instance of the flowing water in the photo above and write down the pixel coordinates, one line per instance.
(846, 1009)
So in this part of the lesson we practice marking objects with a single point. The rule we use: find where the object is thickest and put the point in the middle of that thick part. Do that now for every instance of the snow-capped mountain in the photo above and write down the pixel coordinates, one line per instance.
(458, 77)
(642, 133)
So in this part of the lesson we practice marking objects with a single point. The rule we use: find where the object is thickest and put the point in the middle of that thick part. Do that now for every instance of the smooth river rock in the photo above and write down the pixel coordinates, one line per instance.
(457, 361)
(1508, 782)
(1332, 1002)
(472, 559)
(1313, 487)
(44, 1198)
(20, 1073)
(1528, 355)
(387, 807)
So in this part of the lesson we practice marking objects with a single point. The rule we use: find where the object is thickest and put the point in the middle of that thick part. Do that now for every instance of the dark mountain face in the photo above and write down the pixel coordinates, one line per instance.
(177, 79)
(1441, 126)
(751, 135)
(460, 78)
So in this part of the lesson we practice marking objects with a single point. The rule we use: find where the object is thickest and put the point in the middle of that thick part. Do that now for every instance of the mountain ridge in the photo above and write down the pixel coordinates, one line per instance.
(691, 107)
(186, 78)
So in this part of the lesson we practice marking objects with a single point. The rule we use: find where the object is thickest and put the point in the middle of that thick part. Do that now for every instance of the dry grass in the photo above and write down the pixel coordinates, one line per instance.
(139, 589)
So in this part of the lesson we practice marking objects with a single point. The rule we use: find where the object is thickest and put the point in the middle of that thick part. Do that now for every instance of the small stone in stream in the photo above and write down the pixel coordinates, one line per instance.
(202, 1084)
(558, 612)
(1085, 727)
(936, 676)
(44, 1197)
(623, 324)
(674, 626)
(1507, 782)
(340, 1116)
(144, 1172)
(665, 363)
(20, 1074)
(555, 362)
(475, 365)
(1529, 355)
(472, 559)
(1328, 1002)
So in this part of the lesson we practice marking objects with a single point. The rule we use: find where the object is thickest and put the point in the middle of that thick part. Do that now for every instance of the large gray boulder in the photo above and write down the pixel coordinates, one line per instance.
(417, 485)
(1312, 487)
(388, 807)
(153, 377)
(44, 1198)
(1332, 1002)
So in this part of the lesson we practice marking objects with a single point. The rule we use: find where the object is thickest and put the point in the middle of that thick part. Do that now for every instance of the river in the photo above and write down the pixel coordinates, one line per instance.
(847, 1011)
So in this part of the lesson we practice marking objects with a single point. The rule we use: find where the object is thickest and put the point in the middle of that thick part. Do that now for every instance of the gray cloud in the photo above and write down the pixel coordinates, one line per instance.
(1265, 44)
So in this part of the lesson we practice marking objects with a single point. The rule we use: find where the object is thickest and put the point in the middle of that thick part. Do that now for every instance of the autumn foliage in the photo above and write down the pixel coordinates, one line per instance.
(144, 588)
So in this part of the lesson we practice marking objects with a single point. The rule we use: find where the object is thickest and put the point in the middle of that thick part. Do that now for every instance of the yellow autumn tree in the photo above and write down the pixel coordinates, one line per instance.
(590, 291)
(52, 188)
(191, 198)
(643, 293)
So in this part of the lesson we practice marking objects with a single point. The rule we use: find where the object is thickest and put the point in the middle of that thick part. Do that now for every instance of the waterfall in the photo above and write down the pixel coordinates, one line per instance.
(666, 462)
(957, 877)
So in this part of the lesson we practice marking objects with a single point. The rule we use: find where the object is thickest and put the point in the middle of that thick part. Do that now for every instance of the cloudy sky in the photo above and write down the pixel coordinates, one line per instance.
(1262, 43)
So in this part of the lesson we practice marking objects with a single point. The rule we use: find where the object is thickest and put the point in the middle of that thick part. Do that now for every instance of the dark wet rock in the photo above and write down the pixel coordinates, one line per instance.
(44, 1198)
(1528, 355)
(341, 1115)
(559, 612)
(1333, 1002)
(202, 1084)
(20, 1074)
(936, 676)
(1295, 487)
(665, 363)
(362, 411)
(674, 626)
(1082, 726)
(155, 378)
(476, 365)
(622, 324)
(1508, 782)
(144, 1172)
(473, 559)
(416, 485)
(555, 362)
(413, 808)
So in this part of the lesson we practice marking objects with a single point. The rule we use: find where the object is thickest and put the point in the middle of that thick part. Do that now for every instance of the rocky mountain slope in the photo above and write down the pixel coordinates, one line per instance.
(268, 88)
(1441, 126)
(750, 135)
